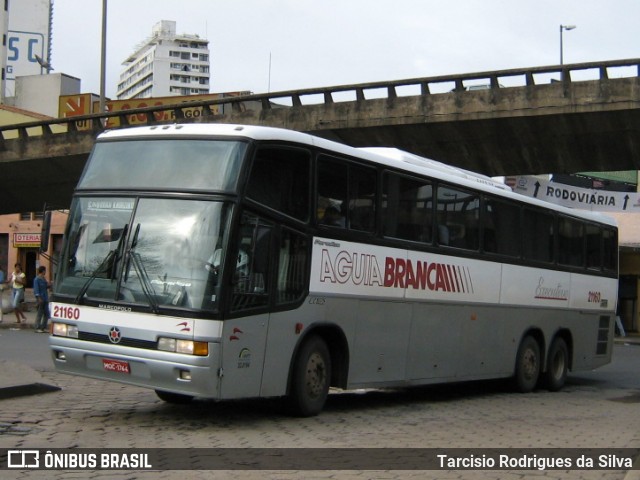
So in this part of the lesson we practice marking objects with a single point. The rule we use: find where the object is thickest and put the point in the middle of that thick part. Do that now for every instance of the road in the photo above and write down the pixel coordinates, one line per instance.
(596, 409)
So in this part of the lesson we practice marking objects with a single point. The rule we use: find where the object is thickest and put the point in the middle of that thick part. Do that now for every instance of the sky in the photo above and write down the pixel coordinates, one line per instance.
(277, 45)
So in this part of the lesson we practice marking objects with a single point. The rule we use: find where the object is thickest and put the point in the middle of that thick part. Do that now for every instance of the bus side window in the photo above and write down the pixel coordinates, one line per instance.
(280, 179)
(458, 213)
(409, 208)
(292, 267)
(538, 236)
(250, 278)
(501, 227)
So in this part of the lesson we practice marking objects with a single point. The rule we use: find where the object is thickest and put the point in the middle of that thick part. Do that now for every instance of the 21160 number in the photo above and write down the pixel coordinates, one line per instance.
(67, 313)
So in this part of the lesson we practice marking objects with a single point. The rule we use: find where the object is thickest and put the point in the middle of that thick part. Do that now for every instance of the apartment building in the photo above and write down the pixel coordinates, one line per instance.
(166, 64)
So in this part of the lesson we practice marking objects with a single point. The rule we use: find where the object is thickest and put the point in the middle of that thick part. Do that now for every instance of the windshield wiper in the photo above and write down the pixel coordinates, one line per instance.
(147, 288)
(101, 268)
(138, 266)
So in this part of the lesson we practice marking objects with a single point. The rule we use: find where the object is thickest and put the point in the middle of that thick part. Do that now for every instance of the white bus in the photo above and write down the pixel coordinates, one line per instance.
(227, 261)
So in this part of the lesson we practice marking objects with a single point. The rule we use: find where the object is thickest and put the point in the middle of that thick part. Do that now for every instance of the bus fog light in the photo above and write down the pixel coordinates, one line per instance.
(185, 375)
(61, 356)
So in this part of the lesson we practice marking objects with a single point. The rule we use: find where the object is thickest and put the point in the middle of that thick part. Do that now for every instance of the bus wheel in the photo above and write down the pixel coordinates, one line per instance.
(174, 398)
(527, 365)
(310, 378)
(557, 366)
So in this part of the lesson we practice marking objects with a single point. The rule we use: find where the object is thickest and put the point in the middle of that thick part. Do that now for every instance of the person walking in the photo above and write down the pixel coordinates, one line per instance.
(2, 282)
(41, 291)
(18, 282)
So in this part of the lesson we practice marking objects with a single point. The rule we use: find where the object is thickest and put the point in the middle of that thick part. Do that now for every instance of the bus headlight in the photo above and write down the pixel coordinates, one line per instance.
(65, 330)
(189, 347)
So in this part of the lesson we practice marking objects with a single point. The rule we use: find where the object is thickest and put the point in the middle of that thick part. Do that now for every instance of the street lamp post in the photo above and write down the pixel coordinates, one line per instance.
(562, 29)
(103, 55)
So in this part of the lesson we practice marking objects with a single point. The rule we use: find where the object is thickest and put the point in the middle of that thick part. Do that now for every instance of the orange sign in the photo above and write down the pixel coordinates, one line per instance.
(75, 105)
(86, 103)
(167, 115)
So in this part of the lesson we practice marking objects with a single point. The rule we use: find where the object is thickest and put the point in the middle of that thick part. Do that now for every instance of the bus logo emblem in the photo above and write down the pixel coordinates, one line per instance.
(114, 335)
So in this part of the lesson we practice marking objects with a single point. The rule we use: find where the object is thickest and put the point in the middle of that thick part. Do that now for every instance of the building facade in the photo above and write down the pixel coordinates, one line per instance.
(166, 64)
(26, 28)
(21, 233)
(21, 242)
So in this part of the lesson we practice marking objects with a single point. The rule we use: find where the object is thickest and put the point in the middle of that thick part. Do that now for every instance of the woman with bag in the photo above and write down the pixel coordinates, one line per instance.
(18, 281)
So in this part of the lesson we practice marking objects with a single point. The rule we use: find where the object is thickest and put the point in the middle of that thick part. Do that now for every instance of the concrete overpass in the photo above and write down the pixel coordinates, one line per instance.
(564, 118)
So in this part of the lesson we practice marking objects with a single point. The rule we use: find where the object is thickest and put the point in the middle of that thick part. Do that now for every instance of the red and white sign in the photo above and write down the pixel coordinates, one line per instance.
(26, 239)
(361, 270)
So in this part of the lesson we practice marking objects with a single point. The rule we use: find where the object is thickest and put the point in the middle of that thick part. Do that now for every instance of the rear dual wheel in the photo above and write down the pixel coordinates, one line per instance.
(527, 365)
(557, 365)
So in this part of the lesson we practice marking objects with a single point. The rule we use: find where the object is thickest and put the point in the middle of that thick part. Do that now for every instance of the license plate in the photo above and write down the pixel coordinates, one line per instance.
(116, 366)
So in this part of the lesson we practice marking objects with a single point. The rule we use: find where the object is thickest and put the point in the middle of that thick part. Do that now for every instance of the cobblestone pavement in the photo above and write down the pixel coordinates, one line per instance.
(94, 414)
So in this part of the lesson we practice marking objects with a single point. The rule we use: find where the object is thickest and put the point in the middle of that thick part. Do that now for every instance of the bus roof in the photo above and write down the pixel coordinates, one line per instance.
(391, 157)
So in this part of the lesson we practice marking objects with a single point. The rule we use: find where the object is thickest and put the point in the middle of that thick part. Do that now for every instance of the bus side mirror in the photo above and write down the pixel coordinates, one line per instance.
(44, 233)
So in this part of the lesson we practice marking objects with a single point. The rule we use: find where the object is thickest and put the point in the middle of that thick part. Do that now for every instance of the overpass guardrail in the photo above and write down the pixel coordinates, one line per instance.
(207, 109)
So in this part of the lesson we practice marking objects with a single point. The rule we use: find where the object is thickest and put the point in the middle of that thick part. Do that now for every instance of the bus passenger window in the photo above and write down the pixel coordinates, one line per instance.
(346, 195)
(538, 236)
(458, 213)
(610, 247)
(570, 242)
(280, 179)
(501, 225)
(409, 208)
(594, 247)
(332, 191)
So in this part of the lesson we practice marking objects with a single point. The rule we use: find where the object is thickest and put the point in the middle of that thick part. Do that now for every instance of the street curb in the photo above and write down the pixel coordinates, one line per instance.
(26, 390)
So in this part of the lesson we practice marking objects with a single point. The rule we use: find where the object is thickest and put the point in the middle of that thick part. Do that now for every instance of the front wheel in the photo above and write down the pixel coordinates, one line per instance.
(310, 378)
(527, 365)
(557, 365)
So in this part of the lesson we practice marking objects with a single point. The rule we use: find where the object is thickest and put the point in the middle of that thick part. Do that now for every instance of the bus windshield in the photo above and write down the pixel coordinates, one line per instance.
(161, 253)
(164, 164)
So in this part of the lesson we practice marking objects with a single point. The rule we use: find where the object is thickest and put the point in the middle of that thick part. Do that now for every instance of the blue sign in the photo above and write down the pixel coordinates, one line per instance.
(22, 48)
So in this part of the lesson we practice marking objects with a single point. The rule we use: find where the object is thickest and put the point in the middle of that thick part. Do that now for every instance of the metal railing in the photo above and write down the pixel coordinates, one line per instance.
(489, 80)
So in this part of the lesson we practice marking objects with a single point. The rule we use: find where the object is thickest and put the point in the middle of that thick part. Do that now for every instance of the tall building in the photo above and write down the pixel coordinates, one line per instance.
(166, 64)
(25, 27)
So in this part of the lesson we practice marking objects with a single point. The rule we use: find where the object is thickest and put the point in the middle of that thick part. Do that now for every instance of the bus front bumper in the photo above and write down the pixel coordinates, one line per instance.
(172, 372)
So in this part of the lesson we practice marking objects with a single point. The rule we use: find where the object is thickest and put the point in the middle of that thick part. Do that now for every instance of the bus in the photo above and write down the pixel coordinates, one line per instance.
(229, 261)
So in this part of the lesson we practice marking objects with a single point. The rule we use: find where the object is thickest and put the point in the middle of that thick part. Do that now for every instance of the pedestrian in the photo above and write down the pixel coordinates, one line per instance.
(2, 280)
(18, 282)
(41, 291)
